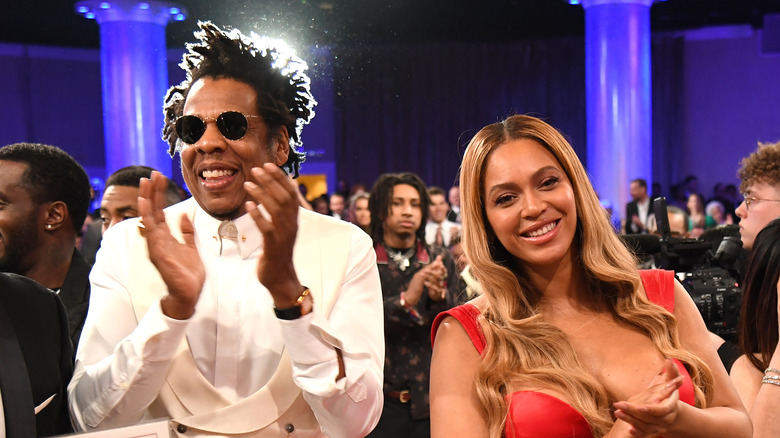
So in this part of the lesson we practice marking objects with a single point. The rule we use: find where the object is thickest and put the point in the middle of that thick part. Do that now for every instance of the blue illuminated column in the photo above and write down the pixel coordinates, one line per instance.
(618, 95)
(135, 78)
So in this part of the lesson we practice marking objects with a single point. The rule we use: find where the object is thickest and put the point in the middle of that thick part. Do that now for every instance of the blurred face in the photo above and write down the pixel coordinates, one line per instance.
(439, 208)
(337, 204)
(677, 225)
(362, 213)
(320, 206)
(694, 204)
(215, 168)
(119, 203)
(637, 192)
(764, 208)
(717, 213)
(19, 220)
(454, 196)
(405, 212)
(530, 203)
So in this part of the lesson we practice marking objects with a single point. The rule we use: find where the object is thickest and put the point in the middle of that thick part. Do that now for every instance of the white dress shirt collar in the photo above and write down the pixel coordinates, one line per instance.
(242, 230)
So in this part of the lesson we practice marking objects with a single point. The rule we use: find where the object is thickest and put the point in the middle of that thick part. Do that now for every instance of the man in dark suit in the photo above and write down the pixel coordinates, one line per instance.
(45, 195)
(639, 210)
(35, 360)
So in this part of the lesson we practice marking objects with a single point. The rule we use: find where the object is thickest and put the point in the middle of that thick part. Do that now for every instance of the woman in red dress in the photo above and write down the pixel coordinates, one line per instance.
(568, 340)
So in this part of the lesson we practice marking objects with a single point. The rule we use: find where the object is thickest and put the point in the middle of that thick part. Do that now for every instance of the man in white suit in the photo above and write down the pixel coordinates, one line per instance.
(234, 313)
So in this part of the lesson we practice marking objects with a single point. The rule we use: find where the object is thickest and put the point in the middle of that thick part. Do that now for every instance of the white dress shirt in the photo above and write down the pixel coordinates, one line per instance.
(234, 336)
(446, 231)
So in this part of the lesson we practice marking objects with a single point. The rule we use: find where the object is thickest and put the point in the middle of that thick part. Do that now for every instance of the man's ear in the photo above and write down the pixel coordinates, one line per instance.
(280, 148)
(56, 213)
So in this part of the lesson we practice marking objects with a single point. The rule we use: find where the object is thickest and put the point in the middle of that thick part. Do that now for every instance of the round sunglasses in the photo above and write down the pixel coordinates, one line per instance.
(231, 124)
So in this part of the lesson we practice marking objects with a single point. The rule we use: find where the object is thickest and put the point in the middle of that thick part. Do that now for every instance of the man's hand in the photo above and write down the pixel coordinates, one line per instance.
(432, 277)
(436, 280)
(179, 264)
(271, 189)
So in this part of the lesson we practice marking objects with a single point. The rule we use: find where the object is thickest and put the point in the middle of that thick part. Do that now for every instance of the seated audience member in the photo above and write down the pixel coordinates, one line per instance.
(36, 360)
(640, 210)
(439, 230)
(760, 185)
(228, 319)
(336, 205)
(678, 222)
(120, 197)
(756, 374)
(536, 354)
(468, 283)
(717, 212)
(697, 217)
(359, 213)
(453, 215)
(120, 201)
(418, 282)
(45, 195)
(320, 205)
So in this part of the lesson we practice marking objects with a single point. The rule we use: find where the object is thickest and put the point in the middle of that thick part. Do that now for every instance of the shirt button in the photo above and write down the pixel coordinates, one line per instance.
(181, 428)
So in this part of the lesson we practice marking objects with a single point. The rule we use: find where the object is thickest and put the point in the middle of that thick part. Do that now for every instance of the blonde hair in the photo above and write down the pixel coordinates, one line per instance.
(520, 346)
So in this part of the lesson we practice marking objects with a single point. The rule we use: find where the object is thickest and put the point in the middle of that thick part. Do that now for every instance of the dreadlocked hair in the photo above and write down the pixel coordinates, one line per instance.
(283, 89)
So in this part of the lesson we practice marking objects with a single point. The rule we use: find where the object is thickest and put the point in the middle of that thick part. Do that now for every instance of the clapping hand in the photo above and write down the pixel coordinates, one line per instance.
(436, 279)
(271, 189)
(179, 264)
(433, 278)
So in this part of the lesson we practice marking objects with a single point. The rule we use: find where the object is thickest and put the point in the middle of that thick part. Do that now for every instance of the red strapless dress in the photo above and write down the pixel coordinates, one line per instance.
(536, 414)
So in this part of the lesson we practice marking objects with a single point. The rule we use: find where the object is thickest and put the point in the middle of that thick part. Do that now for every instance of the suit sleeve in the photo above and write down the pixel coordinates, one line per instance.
(351, 406)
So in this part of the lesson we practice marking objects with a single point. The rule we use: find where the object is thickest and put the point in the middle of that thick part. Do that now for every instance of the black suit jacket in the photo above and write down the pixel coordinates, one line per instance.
(74, 294)
(632, 209)
(36, 358)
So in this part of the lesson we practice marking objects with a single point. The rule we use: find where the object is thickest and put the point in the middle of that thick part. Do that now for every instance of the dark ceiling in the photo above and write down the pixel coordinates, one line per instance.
(54, 22)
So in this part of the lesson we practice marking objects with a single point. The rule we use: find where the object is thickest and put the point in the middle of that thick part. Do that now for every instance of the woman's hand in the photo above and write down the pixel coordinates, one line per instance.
(652, 412)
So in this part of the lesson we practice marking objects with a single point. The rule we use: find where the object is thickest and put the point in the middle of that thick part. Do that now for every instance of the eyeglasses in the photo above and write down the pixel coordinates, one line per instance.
(747, 199)
(231, 124)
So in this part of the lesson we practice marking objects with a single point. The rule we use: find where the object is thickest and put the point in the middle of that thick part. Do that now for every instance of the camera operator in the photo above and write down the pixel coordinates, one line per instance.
(760, 186)
(756, 375)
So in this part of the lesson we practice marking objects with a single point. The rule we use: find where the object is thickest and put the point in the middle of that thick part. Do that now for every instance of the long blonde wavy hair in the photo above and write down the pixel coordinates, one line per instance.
(521, 348)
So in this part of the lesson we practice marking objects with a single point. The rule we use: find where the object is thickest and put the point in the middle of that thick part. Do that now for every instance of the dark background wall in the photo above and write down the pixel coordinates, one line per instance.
(398, 107)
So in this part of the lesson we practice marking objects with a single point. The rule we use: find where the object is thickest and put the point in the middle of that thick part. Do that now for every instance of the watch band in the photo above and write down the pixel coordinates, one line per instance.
(294, 312)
